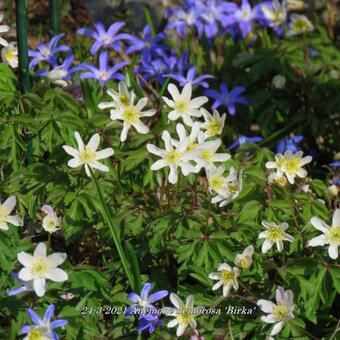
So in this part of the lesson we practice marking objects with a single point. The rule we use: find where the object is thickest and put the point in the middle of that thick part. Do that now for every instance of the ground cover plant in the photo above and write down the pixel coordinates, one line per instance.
(178, 182)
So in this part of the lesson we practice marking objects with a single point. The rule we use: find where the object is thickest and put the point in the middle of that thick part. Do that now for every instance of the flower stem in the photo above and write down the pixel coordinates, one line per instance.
(107, 217)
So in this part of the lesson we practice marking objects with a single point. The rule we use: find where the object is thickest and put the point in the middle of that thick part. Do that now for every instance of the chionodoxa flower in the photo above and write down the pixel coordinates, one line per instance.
(88, 155)
(5, 211)
(331, 235)
(184, 315)
(290, 165)
(279, 313)
(42, 329)
(40, 267)
(275, 234)
(226, 276)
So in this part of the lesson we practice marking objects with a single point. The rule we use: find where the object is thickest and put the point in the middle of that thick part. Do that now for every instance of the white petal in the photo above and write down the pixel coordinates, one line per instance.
(221, 157)
(25, 274)
(186, 92)
(79, 141)
(169, 102)
(319, 224)
(99, 166)
(167, 140)
(56, 259)
(336, 218)
(40, 251)
(25, 259)
(271, 165)
(39, 286)
(106, 105)
(172, 323)
(266, 246)
(57, 275)
(15, 220)
(74, 163)
(279, 245)
(268, 318)
(333, 252)
(154, 150)
(226, 289)
(266, 306)
(190, 301)
(173, 115)
(161, 163)
(172, 89)
(141, 128)
(176, 301)
(277, 328)
(196, 103)
(214, 276)
(123, 134)
(9, 204)
(173, 178)
(104, 153)
(180, 330)
(94, 142)
(181, 131)
(263, 234)
(71, 151)
(217, 285)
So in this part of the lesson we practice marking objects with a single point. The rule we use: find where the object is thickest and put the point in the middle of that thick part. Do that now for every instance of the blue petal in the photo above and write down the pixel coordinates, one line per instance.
(58, 323)
(158, 296)
(25, 329)
(49, 313)
(145, 291)
(34, 317)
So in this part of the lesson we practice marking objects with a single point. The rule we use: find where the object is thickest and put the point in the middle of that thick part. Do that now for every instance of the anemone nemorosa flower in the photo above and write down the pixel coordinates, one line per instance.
(5, 214)
(227, 98)
(42, 329)
(240, 140)
(88, 155)
(226, 277)
(144, 301)
(105, 72)
(9, 55)
(47, 52)
(51, 222)
(105, 38)
(3, 29)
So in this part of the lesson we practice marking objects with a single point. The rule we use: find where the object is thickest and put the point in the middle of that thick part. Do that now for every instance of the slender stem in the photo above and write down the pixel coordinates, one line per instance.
(230, 330)
(54, 18)
(107, 216)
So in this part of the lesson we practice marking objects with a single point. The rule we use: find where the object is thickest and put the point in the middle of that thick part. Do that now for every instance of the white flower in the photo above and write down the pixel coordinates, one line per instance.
(213, 123)
(131, 115)
(245, 260)
(195, 135)
(299, 24)
(9, 55)
(277, 178)
(279, 313)
(185, 314)
(57, 76)
(276, 14)
(120, 99)
(275, 233)
(40, 267)
(290, 165)
(226, 276)
(182, 104)
(331, 235)
(216, 180)
(230, 191)
(172, 157)
(5, 211)
(3, 29)
(88, 155)
(333, 189)
(51, 222)
(206, 154)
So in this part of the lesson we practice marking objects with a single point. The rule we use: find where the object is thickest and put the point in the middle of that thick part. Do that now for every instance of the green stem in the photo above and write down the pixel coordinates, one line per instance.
(107, 217)
(54, 18)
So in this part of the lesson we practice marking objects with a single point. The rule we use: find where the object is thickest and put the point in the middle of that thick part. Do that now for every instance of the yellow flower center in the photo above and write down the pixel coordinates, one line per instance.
(216, 182)
(39, 267)
(181, 106)
(292, 165)
(207, 155)
(227, 276)
(87, 155)
(124, 99)
(214, 127)
(185, 318)
(130, 115)
(9, 54)
(191, 146)
(334, 235)
(275, 234)
(45, 52)
(244, 262)
(280, 312)
(34, 334)
(300, 26)
(106, 39)
(172, 157)
(233, 188)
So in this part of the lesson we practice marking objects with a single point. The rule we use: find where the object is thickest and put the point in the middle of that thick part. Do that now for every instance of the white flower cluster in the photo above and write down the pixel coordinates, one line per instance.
(9, 51)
